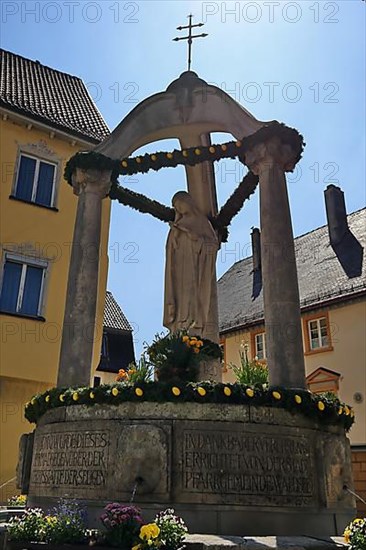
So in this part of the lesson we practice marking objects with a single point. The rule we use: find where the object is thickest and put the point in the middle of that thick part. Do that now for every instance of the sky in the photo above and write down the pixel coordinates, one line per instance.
(301, 63)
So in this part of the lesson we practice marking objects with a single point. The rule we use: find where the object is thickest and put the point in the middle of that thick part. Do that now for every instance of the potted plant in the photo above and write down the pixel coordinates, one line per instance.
(355, 534)
(167, 532)
(122, 524)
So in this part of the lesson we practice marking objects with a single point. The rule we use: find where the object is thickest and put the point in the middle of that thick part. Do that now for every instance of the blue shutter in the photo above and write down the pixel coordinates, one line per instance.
(27, 168)
(32, 290)
(10, 286)
(45, 183)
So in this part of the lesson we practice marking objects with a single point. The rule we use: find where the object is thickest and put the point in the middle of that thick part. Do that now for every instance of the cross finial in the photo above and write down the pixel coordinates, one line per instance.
(190, 37)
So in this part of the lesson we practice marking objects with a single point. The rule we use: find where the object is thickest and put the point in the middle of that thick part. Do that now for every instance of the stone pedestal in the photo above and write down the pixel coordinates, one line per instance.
(226, 469)
(78, 333)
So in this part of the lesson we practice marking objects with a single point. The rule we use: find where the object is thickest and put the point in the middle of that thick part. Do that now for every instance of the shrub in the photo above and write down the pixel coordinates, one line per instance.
(28, 528)
(250, 372)
(122, 523)
(355, 534)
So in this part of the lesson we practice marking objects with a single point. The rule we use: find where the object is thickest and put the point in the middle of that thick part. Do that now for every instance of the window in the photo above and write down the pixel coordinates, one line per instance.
(222, 345)
(323, 380)
(35, 180)
(22, 285)
(260, 345)
(317, 333)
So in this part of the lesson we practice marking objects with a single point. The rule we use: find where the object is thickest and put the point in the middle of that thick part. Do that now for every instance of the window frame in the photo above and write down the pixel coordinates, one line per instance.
(254, 335)
(38, 159)
(25, 261)
(307, 319)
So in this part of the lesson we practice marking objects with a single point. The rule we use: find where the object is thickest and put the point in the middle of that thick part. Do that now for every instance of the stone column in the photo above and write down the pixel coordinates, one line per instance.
(270, 158)
(92, 186)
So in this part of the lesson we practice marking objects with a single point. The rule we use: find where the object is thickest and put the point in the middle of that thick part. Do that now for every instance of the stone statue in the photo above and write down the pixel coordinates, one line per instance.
(191, 251)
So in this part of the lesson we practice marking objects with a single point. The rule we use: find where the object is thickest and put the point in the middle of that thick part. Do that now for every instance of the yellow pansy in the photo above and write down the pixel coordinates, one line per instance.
(201, 391)
(91, 395)
(227, 391)
(62, 398)
(115, 392)
(197, 151)
(138, 160)
(149, 531)
(169, 156)
(153, 157)
(124, 164)
(176, 391)
(75, 396)
(212, 149)
(249, 392)
(47, 398)
(298, 399)
(184, 153)
(321, 406)
(139, 392)
(276, 395)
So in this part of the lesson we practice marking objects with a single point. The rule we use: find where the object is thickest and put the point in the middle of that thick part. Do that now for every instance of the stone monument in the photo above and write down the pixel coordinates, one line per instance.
(227, 468)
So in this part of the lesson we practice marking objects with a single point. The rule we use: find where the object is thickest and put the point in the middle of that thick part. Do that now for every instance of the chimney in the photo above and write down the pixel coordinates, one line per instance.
(336, 214)
(256, 248)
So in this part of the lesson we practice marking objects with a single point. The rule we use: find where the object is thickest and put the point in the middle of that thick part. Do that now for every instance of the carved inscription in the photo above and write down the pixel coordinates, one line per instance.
(275, 467)
(73, 459)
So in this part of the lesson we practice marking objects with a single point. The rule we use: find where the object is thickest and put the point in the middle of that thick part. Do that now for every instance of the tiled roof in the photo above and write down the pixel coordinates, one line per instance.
(113, 315)
(49, 96)
(320, 273)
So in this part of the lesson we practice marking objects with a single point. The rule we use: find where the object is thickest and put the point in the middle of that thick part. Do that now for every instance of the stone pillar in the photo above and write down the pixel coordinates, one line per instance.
(92, 186)
(270, 158)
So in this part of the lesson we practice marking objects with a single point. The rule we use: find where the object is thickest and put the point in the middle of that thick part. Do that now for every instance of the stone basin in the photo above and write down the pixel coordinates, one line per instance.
(227, 469)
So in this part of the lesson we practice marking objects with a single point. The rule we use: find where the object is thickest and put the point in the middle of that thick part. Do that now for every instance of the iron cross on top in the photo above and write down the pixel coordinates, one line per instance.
(190, 37)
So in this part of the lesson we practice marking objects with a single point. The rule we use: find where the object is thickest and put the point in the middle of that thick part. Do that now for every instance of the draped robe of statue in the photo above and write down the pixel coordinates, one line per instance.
(191, 251)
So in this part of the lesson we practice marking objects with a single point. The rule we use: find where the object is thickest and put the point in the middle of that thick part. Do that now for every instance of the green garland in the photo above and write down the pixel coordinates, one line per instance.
(323, 410)
(186, 157)
(191, 157)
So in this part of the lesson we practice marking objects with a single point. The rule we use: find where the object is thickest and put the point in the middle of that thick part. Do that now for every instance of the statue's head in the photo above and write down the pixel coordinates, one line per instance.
(183, 202)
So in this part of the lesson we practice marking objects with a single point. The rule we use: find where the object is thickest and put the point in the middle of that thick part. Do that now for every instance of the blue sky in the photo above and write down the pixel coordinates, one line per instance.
(302, 63)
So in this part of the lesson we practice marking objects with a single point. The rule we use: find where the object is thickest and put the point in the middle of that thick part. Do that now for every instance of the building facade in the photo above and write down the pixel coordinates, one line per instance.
(332, 284)
(46, 116)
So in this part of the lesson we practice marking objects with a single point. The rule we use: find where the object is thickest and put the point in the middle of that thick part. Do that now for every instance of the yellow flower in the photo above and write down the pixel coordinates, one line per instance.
(137, 547)
(62, 398)
(176, 391)
(115, 392)
(346, 410)
(212, 149)
(249, 392)
(184, 153)
(185, 338)
(47, 398)
(139, 392)
(149, 531)
(223, 147)
(124, 164)
(276, 395)
(33, 401)
(298, 399)
(227, 391)
(153, 157)
(75, 396)
(91, 395)
(138, 160)
(321, 406)
(169, 156)
(347, 535)
(199, 343)
(201, 391)
(340, 410)
(196, 350)
(197, 151)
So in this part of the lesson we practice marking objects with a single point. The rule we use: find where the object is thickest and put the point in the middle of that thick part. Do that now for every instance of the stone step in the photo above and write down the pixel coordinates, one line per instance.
(214, 542)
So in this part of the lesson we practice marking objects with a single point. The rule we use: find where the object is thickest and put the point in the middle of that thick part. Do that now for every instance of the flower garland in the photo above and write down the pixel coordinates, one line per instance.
(320, 408)
(191, 157)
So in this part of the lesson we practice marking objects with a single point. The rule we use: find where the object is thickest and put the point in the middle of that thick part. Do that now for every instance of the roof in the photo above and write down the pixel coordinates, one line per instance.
(320, 273)
(114, 317)
(57, 99)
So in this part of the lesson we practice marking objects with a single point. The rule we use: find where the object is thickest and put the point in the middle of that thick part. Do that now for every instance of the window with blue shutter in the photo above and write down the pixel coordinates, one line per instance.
(36, 180)
(22, 286)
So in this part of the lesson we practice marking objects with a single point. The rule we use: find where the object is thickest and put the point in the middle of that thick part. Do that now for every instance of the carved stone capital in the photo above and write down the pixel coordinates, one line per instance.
(97, 182)
(264, 156)
(273, 145)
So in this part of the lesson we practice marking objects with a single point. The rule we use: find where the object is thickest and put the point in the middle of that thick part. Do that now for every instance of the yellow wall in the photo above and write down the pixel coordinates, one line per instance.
(348, 357)
(30, 348)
